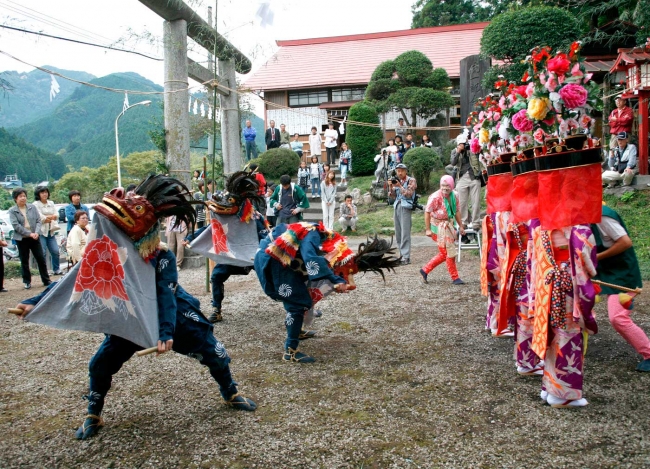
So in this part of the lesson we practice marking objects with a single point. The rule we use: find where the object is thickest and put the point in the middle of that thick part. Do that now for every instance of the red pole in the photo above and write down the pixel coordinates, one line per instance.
(644, 97)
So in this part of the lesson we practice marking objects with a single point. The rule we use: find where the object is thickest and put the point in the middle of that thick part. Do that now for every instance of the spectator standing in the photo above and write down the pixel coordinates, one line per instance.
(200, 208)
(196, 177)
(296, 145)
(3, 244)
(469, 186)
(402, 189)
(345, 163)
(400, 149)
(261, 186)
(620, 119)
(331, 143)
(315, 143)
(175, 234)
(391, 151)
(249, 134)
(439, 216)
(426, 142)
(270, 211)
(285, 137)
(409, 139)
(400, 128)
(328, 199)
(348, 219)
(272, 136)
(75, 205)
(623, 163)
(618, 265)
(77, 238)
(303, 176)
(315, 173)
(289, 201)
(49, 226)
(26, 222)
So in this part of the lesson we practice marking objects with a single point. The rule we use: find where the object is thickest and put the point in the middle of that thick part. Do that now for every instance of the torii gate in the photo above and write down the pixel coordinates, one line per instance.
(181, 21)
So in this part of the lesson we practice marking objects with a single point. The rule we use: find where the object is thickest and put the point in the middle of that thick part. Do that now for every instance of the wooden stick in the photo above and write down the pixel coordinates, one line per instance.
(16, 311)
(618, 287)
(146, 351)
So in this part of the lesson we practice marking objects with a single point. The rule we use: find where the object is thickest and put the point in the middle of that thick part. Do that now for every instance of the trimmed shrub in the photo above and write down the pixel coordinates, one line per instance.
(363, 141)
(421, 161)
(275, 162)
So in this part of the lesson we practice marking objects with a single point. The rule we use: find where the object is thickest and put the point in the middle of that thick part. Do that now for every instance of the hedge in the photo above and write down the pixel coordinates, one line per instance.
(276, 162)
(363, 141)
(421, 161)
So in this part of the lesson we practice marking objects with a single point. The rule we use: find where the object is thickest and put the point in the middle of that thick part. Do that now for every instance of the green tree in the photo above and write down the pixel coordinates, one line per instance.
(410, 83)
(275, 162)
(363, 140)
(511, 35)
(596, 13)
(421, 161)
(428, 13)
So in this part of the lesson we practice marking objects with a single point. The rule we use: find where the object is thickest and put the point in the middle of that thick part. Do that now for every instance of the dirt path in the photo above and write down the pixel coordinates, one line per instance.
(406, 377)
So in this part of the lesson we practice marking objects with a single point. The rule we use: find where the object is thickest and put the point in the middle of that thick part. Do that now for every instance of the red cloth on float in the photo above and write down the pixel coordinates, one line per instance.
(499, 188)
(569, 195)
(524, 197)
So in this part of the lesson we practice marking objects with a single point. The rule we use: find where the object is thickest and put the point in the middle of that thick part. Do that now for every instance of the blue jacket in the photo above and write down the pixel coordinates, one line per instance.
(249, 134)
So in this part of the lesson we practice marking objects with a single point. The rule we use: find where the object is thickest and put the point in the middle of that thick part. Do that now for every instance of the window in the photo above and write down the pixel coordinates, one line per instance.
(307, 98)
(348, 94)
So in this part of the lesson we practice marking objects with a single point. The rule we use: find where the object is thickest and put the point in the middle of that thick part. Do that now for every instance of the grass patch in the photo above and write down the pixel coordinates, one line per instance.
(634, 211)
(13, 270)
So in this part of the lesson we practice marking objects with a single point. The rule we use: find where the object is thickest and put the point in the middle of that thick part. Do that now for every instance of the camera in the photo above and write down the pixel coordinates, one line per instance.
(393, 177)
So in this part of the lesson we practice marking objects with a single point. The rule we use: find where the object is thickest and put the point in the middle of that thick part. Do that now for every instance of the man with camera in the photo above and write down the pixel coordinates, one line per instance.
(469, 185)
(402, 188)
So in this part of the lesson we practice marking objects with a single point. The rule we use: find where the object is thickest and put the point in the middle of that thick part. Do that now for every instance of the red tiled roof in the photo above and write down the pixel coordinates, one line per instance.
(350, 60)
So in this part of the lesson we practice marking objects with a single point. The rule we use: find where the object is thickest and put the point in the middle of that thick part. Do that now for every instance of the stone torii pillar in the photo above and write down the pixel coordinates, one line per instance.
(180, 22)
(177, 120)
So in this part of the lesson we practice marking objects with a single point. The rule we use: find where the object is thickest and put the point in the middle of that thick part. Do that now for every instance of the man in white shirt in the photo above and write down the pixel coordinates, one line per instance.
(331, 142)
(315, 143)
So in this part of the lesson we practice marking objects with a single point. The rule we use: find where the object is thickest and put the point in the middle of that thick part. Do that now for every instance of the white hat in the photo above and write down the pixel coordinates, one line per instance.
(463, 137)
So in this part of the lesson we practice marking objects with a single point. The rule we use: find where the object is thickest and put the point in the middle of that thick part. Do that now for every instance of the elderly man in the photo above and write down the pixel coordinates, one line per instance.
(620, 120)
(622, 162)
(250, 133)
(284, 137)
(403, 188)
(272, 136)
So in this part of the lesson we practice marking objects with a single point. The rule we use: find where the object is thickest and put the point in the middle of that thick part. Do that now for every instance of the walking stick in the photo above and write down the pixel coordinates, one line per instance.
(16, 311)
(618, 287)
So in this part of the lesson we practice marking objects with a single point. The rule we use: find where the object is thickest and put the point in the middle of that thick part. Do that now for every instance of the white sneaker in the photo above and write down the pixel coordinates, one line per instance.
(543, 395)
(559, 403)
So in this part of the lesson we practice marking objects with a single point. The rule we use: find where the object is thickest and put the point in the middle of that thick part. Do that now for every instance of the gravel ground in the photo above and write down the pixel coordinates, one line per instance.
(406, 377)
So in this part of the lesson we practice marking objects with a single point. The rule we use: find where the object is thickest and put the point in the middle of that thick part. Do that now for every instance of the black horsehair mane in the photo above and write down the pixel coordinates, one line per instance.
(376, 255)
(169, 197)
(244, 185)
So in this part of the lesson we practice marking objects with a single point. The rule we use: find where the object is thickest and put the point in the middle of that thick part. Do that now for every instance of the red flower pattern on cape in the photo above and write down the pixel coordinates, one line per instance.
(316, 295)
(219, 238)
(101, 270)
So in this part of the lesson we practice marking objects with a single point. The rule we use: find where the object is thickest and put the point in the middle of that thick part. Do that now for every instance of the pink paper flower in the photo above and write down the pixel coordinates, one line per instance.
(530, 89)
(551, 83)
(496, 116)
(574, 96)
(525, 140)
(503, 104)
(572, 124)
(549, 120)
(477, 127)
(474, 146)
(575, 71)
(481, 116)
(585, 121)
(539, 135)
(521, 122)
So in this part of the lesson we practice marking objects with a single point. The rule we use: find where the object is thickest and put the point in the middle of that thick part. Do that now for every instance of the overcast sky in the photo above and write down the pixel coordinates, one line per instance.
(106, 22)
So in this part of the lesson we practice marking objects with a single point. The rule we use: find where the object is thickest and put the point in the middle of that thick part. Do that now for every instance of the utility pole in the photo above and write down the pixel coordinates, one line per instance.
(177, 123)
